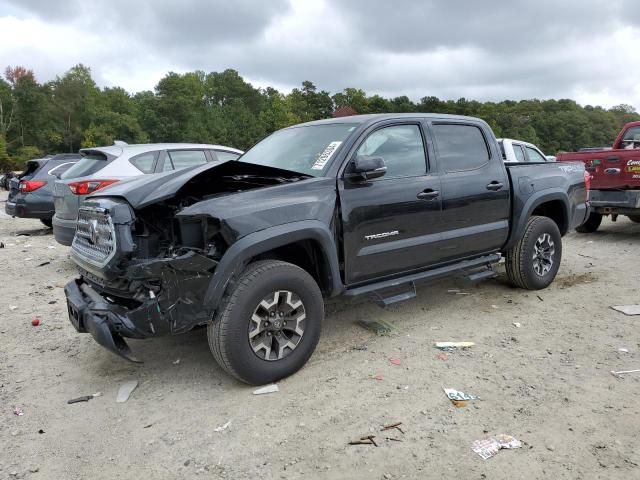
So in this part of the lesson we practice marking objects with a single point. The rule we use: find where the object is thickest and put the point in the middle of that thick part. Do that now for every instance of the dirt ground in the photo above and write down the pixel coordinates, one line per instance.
(546, 382)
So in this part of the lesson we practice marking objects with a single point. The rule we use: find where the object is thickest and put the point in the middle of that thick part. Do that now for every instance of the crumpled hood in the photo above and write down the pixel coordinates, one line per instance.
(146, 190)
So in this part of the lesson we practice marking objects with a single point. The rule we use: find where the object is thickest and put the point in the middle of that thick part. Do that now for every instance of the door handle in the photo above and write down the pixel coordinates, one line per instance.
(428, 194)
(495, 186)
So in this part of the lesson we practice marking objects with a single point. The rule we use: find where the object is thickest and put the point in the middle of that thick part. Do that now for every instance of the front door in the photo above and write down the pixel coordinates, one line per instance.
(391, 223)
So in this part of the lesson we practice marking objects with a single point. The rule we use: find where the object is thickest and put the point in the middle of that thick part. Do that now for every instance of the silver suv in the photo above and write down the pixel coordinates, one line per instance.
(102, 166)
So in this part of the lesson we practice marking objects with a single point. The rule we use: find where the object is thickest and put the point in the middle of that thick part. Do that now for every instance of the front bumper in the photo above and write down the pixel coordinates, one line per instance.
(63, 230)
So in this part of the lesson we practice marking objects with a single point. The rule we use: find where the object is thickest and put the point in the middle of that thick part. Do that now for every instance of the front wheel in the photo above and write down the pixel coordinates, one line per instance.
(592, 224)
(634, 218)
(268, 326)
(534, 261)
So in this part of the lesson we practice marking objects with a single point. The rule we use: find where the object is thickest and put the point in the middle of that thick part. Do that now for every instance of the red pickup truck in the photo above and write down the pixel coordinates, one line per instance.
(615, 178)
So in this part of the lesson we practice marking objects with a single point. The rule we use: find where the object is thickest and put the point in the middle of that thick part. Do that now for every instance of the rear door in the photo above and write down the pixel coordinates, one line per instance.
(391, 224)
(475, 190)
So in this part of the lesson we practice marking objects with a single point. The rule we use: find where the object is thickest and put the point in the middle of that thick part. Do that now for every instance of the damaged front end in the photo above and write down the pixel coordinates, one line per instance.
(140, 276)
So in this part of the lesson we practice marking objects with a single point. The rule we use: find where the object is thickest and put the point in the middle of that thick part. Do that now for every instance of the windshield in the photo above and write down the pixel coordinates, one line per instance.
(305, 150)
(89, 164)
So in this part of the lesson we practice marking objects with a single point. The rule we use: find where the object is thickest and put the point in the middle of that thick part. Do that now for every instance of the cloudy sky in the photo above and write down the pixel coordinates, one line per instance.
(581, 49)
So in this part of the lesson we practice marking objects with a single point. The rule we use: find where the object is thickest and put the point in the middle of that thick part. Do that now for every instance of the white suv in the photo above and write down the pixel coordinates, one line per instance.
(102, 166)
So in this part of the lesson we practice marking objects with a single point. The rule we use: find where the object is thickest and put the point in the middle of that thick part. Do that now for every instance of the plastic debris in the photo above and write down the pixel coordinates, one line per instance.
(176, 362)
(459, 399)
(623, 350)
(268, 389)
(489, 447)
(12, 307)
(442, 356)
(18, 411)
(395, 361)
(627, 309)
(380, 327)
(494, 307)
(35, 321)
(43, 264)
(517, 324)
(51, 247)
(84, 398)
(126, 389)
(378, 377)
(450, 345)
(223, 427)
(623, 372)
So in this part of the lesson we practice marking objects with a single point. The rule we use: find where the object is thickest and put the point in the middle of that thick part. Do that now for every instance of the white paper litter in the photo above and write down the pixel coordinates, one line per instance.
(223, 427)
(126, 389)
(454, 344)
(268, 389)
(489, 447)
(453, 394)
(627, 309)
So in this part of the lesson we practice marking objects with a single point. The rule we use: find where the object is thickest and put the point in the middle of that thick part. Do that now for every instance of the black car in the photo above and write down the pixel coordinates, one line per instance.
(31, 193)
(355, 206)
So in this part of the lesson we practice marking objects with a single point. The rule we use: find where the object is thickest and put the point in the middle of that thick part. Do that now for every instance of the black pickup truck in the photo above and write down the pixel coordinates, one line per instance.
(363, 205)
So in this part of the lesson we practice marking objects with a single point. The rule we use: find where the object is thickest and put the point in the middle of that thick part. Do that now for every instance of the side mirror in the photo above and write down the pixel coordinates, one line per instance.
(366, 168)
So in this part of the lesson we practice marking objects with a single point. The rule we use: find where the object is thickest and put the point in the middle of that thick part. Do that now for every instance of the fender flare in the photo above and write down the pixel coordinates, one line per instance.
(534, 201)
(239, 253)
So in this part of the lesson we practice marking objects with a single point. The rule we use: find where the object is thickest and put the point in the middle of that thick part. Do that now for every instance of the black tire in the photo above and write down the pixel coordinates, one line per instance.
(47, 222)
(521, 266)
(592, 223)
(634, 218)
(228, 333)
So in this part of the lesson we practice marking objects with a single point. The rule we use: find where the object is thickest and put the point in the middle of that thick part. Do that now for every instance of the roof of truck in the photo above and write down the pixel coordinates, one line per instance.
(374, 117)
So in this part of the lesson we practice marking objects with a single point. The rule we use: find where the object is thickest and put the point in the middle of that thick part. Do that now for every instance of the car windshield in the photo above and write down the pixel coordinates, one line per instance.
(304, 149)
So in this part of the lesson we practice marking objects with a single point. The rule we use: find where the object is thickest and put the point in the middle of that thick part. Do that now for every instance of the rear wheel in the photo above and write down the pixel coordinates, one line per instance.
(592, 223)
(47, 222)
(634, 218)
(268, 326)
(534, 261)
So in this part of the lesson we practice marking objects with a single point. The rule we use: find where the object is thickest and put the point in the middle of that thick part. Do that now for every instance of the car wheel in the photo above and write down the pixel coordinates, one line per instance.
(268, 326)
(592, 223)
(634, 218)
(47, 222)
(533, 262)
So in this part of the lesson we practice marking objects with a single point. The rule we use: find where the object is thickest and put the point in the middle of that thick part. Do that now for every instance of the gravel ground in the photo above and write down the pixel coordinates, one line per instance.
(547, 382)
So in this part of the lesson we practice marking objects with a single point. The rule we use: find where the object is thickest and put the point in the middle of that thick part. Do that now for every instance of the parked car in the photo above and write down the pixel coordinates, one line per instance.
(356, 206)
(31, 193)
(5, 180)
(615, 177)
(103, 166)
(519, 151)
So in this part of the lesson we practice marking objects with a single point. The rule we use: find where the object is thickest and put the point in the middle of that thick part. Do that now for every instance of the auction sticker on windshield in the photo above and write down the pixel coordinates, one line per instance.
(325, 156)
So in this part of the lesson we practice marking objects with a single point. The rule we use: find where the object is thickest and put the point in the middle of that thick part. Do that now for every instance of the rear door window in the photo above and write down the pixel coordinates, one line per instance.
(517, 150)
(90, 164)
(178, 159)
(460, 147)
(225, 155)
(534, 155)
(145, 162)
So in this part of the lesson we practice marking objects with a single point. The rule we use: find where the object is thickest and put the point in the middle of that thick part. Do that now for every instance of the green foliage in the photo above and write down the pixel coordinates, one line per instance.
(221, 107)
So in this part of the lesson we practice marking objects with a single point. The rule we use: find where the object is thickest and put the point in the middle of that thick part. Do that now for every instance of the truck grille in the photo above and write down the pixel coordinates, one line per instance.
(95, 239)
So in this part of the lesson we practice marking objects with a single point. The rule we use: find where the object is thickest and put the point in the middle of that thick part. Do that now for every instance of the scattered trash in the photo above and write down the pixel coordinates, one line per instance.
(43, 264)
(489, 447)
(517, 324)
(623, 350)
(442, 356)
(360, 348)
(540, 298)
(126, 389)
(453, 290)
(459, 399)
(450, 345)
(51, 247)
(380, 327)
(223, 427)
(41, 431)
(176, 362)
(494, 306)
(149, 425)
(368, 440)
(268, 389)
(84, 398)
(1, 244)
(18, 411)
(35, 321)
(462, 293)
(395, 361)
(378, 377)
(627, 309)
(393, 426)
(623, 372)
(53, 302)
(12, 307)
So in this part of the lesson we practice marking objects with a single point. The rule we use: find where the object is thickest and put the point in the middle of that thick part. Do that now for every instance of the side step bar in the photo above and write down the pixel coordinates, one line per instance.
(388, 292)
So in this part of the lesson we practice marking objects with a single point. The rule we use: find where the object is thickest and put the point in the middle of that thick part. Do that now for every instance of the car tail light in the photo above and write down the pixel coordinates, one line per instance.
(89, 186)
(587, 180)
(27, 186)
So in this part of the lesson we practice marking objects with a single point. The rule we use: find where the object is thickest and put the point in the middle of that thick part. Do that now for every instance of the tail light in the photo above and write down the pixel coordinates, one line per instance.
(27, 186)
(587, 180)
(89, 186)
